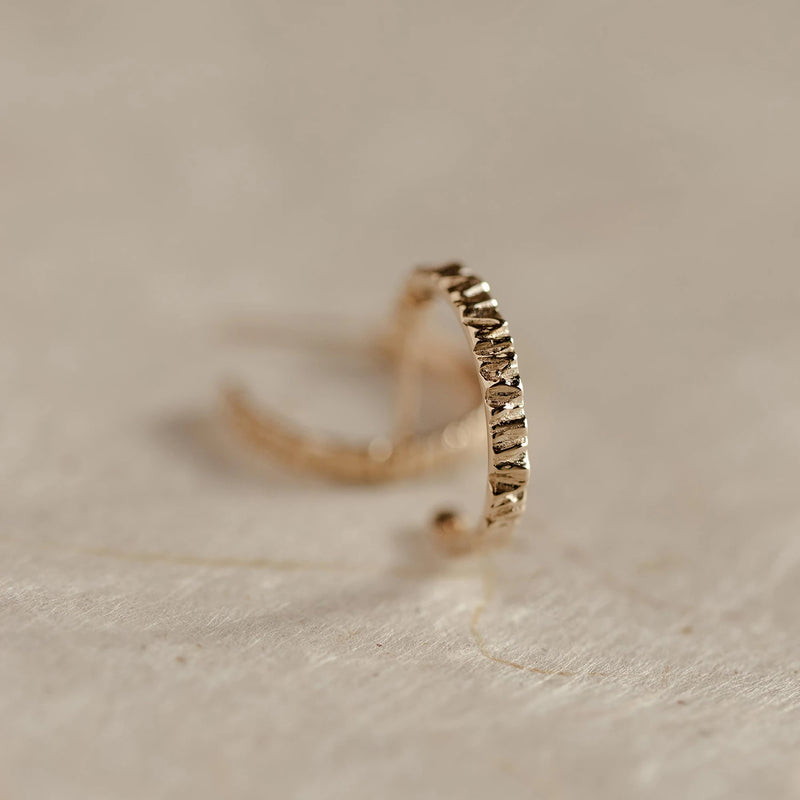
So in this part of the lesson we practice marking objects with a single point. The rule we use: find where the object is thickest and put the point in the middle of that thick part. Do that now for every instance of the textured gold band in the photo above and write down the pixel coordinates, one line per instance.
(498, 372)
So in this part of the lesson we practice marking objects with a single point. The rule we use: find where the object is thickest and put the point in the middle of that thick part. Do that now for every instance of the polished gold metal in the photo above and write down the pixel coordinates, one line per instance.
(500, 410)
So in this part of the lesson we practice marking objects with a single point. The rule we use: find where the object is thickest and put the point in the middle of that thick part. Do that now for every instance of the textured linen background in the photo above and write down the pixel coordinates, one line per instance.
(196, 189)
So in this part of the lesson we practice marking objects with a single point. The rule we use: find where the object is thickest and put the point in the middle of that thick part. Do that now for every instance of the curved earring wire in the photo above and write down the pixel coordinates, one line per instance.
(383, 458)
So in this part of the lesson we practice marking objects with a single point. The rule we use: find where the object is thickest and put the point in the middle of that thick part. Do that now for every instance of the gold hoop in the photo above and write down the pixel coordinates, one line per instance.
(500, 411)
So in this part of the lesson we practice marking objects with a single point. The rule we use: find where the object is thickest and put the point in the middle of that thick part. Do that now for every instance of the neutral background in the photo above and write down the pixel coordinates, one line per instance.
(190, 190)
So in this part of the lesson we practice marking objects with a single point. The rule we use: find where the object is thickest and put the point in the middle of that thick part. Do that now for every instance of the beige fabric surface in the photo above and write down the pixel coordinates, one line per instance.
(194, 190)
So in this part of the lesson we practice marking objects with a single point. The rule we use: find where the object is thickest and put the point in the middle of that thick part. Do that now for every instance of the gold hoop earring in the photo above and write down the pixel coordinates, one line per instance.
(499, 412)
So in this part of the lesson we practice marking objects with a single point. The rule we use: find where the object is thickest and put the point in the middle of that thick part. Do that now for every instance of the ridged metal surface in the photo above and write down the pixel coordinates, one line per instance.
(503, 399)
